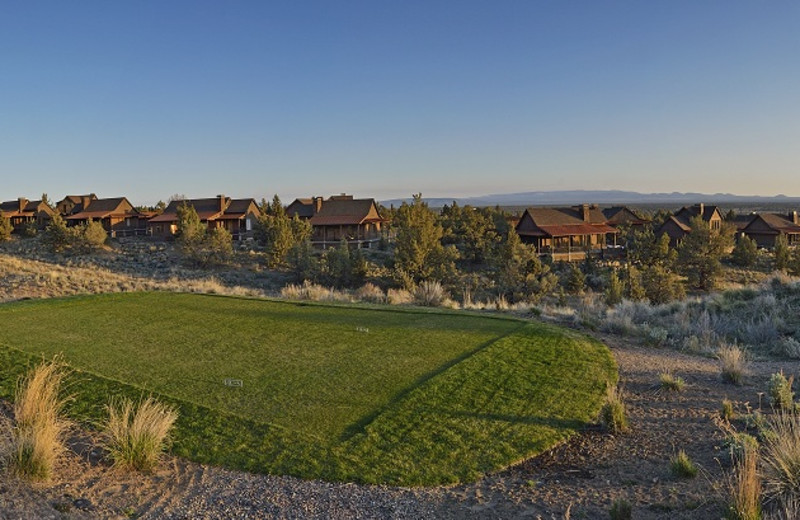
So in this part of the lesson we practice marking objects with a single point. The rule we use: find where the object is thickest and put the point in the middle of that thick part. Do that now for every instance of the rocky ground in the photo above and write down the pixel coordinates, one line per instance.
(579, 479)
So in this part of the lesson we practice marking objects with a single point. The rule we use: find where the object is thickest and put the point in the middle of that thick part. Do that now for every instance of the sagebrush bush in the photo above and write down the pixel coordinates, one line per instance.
(613, 415)
(781, 394)
(744, 488)
(682, 466)
(732, 364)
(38, 429)
(136, 434)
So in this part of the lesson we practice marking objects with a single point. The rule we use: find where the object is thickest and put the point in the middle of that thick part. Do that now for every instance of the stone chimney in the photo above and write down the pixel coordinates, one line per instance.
(221, 199)
(794, 218)
(85, 201)
(22, 203)
(317, 204)
(585, 215)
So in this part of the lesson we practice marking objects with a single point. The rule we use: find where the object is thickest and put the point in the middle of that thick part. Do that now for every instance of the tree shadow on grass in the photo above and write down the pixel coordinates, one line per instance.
(360, 425)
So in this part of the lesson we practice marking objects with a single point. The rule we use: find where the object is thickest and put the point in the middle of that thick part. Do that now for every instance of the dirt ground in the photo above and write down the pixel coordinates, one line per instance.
(580, 479)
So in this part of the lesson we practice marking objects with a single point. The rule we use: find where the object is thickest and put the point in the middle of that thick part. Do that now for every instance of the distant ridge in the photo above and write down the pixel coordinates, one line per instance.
(604, 197)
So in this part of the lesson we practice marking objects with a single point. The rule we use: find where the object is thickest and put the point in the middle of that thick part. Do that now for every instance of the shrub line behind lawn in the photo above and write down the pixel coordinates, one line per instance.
(511, 395)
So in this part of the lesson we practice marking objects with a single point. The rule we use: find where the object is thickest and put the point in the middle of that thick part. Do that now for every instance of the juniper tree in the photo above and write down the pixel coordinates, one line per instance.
(700, 252)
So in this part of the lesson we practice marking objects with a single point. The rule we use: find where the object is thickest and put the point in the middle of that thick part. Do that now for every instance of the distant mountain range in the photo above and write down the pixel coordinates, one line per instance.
(602, 197)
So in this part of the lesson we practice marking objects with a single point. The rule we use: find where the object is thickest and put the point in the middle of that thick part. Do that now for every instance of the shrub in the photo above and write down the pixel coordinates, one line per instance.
(780, 392)
(91, 235)
(613, 294)
(745, 253)
(5, 228)
(430, 293)
(370, 293)
(671, 383)
(726, 411)
(399, 297)
(137, 434)
(788, 347)
(739, 443)
(744, 488)
(781, 453)
(733, 364)
(682, 466)
(37, 435)
(621, 510)
(613, 415)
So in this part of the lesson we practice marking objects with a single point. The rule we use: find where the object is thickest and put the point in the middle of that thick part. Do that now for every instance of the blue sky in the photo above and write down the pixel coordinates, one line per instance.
(380, 98)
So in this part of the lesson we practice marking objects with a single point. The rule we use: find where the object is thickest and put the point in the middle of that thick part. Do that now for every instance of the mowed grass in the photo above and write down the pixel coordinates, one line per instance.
(334, 392)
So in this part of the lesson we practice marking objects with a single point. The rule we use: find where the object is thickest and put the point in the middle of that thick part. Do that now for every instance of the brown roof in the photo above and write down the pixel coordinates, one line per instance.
(777, 223)
(10, 208)
(303, 208)
(622, 215)
(564, 222)
(342, 212)
(207, 209)
(102, 208)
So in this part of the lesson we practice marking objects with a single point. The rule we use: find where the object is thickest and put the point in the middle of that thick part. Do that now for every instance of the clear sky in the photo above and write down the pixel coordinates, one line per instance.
(386, 98)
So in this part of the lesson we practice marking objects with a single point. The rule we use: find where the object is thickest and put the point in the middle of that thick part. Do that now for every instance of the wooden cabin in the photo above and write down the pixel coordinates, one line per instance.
(117, 215)
(565, 234)
(237, 216)
(23, 212)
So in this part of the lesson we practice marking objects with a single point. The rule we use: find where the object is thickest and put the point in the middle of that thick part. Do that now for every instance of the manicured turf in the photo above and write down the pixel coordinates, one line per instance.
(333, 392)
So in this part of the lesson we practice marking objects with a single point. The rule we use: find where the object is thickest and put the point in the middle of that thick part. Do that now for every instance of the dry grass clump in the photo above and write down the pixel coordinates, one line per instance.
(781, 453)
(732, 364)
(370, 292)
(613, 415)
(430, 294)
(744, 488)
(726, 411)
(621, 509)
(682, 466)
(38, 429)
(399, 297)
(671, 383)
(136, 434)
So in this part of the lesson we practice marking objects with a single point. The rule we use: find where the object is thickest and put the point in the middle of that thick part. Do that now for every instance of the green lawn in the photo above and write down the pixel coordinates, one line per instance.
(341, 393)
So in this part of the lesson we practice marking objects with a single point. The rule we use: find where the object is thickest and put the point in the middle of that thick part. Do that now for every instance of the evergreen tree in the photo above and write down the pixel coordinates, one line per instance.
(519, 273)
(278, 233)
(661, 286)
(745, 253)
(56, 234)
(199, 245)
(634, 290)
(794, 262)
(419, 253)
(781, 253)
(574, 280)
(700, 252)
(614, 289)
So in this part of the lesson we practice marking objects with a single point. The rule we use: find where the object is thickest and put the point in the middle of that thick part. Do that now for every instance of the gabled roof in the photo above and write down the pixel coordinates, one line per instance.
(563, 222)
(688, 212)
(102, 208)
(678, 222)
(343, 212)
(209, 209)
(778, 224)
(303, 208)
(622, 215)
(10, 208)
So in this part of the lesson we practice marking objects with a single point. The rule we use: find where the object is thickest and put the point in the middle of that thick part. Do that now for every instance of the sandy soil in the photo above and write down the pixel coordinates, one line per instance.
(583, 476)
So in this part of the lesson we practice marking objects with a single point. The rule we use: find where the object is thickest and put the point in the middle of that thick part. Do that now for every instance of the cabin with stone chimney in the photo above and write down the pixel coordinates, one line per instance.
(340, 217)
(23, 212)
(765, 228)
(677, 226)
(237, 216)
(117, 215)
(566, 234)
